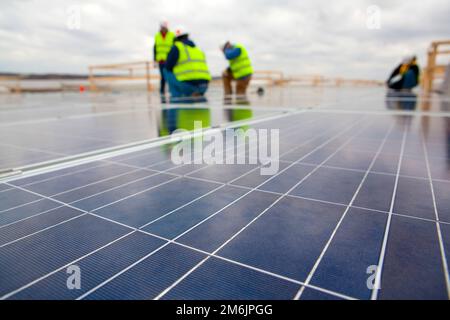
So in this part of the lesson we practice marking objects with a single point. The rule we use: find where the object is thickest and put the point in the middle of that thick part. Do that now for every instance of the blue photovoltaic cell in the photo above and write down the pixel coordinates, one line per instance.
(442, 192)
(217, 279)
(40, 236)
(413, 198)
(210, 235)
(102, 186)
(299, 152)
(439, 168)
(35, 256)
(95, 268)
(287, 239)
(364, 145)
(105, 198)
(16, 197)
(413, 145)
(188, 216)
(150, 277)
(414, 167)
(26, 227)
(254, 178)
(445, 230)
(386, 163)
(141, 209)
(376, 192)
(355, 247)
(57, 173)
(413, 266)
(330, 185)
(64, 183)
(351, 159)
(223, 173)
(311, 294)
(27, 210)
(287, 179)
(164, 166)
(4, 187)
(186, 168)
(319, 155)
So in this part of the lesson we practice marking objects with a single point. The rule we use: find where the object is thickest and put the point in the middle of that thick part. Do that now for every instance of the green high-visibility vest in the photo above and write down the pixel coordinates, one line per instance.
(241, 66)
(191, 64)
(183, 118)
(163, 45)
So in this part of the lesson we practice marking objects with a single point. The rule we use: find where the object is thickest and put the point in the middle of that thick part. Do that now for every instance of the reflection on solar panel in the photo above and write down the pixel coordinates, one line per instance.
(358, 197)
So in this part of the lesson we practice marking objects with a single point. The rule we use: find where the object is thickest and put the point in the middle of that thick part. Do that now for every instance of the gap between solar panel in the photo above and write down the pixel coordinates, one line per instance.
(195, 147)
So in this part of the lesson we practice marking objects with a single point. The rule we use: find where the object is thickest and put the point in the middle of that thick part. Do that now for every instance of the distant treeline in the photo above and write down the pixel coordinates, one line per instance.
(51, 76)
(58, 76)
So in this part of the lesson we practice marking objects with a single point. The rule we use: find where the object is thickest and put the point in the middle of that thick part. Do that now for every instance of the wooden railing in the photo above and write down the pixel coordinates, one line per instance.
(278, 78)
(433, 70)
(11, 83)
(140, 70)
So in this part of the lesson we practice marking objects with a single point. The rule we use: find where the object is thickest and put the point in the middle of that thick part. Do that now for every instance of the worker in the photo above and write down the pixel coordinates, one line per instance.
(186, 70)
(406, 75)
(163, 42)
(240, 69)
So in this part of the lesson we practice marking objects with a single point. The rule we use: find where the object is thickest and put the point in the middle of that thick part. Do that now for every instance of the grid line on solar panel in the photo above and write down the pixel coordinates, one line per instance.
(184, 175)
(168, 289)
(379, 270)
(349, 128)
(152, 151)
(438, 226)
(393, 213)
(318, 200)
(327, 245)
(17, 237)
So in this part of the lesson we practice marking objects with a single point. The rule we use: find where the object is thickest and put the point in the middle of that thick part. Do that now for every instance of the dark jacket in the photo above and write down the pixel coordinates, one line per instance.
(400, 83)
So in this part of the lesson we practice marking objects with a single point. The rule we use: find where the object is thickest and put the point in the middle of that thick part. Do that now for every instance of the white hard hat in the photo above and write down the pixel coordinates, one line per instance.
(409, 58)
(180, 31)
(164, 24)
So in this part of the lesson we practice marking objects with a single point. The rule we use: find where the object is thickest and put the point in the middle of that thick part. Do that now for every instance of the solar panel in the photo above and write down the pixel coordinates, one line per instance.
(356, 192)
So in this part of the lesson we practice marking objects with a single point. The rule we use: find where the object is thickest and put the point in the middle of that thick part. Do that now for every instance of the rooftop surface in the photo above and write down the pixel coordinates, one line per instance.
(362, 190)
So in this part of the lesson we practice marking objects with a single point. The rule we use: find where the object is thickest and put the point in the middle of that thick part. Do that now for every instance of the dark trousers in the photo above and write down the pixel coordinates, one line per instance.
(162, 86)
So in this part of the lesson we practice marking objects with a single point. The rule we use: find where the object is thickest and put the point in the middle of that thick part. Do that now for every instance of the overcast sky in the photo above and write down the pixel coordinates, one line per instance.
(336, 38)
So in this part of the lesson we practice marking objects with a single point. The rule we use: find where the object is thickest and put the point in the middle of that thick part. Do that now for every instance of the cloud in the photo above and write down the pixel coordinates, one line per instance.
(297, 37)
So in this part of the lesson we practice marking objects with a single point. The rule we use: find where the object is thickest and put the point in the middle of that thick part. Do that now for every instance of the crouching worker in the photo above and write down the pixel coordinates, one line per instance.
(186, 70)
(239, 70)
(406, 76)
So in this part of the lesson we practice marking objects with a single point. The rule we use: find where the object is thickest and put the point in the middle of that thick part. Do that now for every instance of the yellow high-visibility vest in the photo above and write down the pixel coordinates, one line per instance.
(241, 66)
(191, 64)
(163, 45)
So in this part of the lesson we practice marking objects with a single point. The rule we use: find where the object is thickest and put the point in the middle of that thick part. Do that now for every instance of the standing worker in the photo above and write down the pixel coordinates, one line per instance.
(405, 76)
(240, 69)
(186, 70)
(163, 42)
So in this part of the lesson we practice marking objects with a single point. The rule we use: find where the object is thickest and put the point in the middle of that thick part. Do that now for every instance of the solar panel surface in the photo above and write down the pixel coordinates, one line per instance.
(354, 190)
